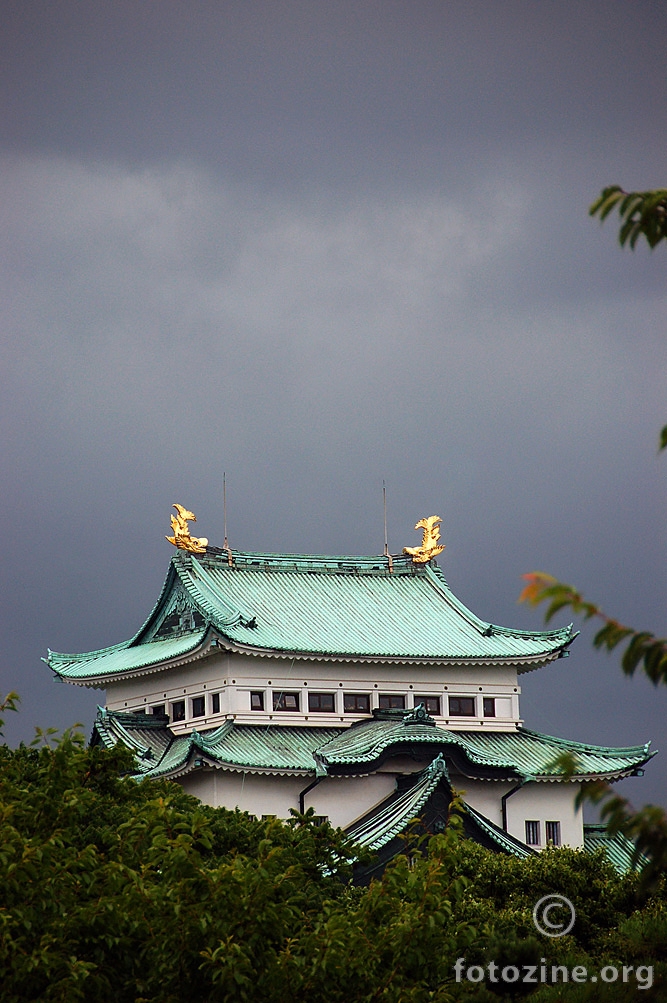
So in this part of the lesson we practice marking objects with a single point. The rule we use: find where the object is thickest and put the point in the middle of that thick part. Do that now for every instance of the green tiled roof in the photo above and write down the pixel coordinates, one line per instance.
(259, 747)
(392, 817)
(238, 747)
(318, 607)
(123, 658)
(525, 753)
(355, 749)
(147, 736)
(619, 849)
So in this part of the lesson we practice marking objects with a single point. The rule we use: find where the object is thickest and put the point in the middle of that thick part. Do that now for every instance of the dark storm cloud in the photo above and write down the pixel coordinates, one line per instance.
(292, 87)
(318, 246)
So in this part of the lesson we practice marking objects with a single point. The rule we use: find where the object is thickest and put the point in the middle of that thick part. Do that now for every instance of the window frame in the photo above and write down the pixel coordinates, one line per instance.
(312, 697)
(533, 822)
(176, 714)
(424, 698)
(280, 699)
(356, 697)
(486, 702)
(462, 713)
(391, 701)
(553, 837)
(215, 703)
(201, 702)
(260, 699)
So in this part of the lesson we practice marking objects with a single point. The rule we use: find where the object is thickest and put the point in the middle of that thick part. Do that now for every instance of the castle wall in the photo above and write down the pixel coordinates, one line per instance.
(539, 802)
(232, 679)
(341, 799)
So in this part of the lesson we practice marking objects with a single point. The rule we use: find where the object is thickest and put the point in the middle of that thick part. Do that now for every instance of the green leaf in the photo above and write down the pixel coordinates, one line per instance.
(643, 214)
(663, 438)
(635, 652)
(655, 662)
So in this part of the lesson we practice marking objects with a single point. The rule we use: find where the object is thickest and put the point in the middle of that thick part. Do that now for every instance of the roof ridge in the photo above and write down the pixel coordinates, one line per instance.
(486, 627)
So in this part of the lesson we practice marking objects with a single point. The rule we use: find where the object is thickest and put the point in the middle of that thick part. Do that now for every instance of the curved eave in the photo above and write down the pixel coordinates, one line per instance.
(561, 636)
(524, 663)
(640, 753)
(200, 648)
(516, 762)
(190, 766)
(213, 639)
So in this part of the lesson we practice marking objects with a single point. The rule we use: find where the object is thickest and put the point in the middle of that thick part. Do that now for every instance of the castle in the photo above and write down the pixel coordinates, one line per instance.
(359, 687)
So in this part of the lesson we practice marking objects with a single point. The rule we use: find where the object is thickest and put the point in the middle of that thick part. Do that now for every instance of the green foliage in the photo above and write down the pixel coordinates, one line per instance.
(643, 214)
(646, 828)
(113, 890)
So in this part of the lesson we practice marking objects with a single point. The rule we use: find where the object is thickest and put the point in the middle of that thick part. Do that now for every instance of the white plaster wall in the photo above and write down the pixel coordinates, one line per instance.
(345, 799)
(547, 802)
(235, 676)
(251, 792)
(483, 795)
(542, 802)
(342, 799)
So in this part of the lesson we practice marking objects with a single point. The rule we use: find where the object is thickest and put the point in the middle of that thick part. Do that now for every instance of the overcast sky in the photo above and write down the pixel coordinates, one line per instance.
(316, 245)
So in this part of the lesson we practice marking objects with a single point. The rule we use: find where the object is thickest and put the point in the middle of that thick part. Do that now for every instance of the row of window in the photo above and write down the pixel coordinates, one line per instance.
(325, 703)
(197, 707)
(360, 703)
(533, 833)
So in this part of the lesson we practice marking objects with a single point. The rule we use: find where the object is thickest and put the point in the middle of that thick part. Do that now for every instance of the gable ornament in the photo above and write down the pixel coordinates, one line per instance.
(430, 535)
(181, 530)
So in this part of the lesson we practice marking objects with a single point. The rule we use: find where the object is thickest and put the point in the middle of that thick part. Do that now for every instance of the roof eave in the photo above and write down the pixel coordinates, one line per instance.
(202, 650)
(529, 661)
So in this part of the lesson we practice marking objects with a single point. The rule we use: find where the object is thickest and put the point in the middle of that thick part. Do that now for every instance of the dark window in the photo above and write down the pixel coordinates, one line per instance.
(158, 711)
(178, 711)
(257, 701)
(430, 704)
(198, 706)
(489, 707)
(357, 703)
(320, 819)
(553, 832)
(461, 706)
(321, 702)
(215, 703)
(533, 833)
(391, 701)
(285, 701)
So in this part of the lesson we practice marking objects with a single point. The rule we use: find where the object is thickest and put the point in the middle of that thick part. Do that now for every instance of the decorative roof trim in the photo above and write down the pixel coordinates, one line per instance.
(190, 767)
(534, 661)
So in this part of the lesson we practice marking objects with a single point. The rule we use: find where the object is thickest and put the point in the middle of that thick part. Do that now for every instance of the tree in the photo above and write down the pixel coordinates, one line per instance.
(118, 891)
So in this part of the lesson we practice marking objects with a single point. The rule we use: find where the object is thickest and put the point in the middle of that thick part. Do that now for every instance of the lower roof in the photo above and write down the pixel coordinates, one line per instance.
(358, 749)
(389, 819)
